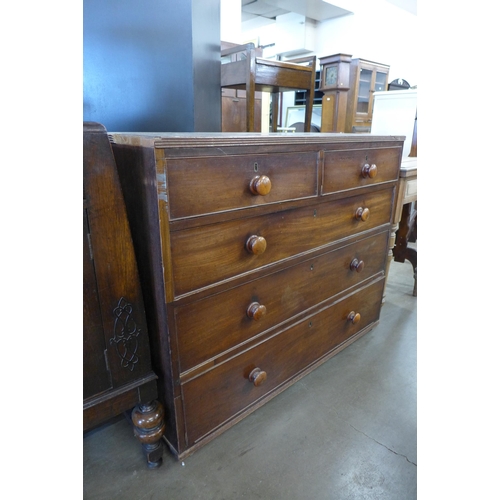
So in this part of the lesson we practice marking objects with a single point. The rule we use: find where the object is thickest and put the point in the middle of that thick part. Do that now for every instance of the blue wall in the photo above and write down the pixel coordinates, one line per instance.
(152, 65)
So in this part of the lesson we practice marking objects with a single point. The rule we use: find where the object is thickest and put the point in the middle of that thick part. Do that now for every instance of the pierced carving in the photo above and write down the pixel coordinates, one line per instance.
(125, 334)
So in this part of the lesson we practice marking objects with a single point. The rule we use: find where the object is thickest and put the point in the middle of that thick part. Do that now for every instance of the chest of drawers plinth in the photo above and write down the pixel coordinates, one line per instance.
(261, 256)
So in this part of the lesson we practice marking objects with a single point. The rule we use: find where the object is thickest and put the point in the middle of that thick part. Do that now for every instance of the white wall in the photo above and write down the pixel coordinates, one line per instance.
(377, 30)
(230, 21)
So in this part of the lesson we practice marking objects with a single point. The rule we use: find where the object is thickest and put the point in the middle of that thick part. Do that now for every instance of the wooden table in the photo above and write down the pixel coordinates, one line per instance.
(405, 217)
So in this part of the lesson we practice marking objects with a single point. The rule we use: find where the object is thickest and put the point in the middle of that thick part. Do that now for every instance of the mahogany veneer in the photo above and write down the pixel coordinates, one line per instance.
(260, 255)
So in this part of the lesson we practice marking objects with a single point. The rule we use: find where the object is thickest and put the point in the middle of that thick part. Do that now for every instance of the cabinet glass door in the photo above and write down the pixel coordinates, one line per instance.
(380, 81)
(365, 80)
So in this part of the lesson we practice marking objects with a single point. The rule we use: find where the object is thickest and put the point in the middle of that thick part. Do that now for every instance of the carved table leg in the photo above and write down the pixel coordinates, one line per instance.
(407, 232)
(149, 427)
(390, 255)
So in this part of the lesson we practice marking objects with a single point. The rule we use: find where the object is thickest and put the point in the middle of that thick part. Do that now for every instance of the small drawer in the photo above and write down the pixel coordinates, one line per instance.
(224, 391)
(354, 168)
(200, 186)
(203, 256)
(220, 322)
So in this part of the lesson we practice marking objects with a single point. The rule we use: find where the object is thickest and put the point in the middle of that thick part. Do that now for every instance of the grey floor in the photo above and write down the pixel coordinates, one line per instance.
(346, 431)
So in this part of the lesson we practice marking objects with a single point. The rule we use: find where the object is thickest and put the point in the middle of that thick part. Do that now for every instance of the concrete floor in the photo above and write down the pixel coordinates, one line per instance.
(346, 431)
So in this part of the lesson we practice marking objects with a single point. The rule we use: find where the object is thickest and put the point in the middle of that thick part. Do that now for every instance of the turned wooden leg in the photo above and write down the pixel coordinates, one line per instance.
(149, 427)
(407, 232)
(390, 255)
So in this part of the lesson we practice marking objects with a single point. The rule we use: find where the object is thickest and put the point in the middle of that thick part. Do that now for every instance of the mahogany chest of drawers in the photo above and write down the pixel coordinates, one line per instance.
(261, 256)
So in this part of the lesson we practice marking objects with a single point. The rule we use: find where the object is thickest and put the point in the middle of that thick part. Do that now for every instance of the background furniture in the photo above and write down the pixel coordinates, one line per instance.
(395, 112)
(262, 256)
(405, 217)
(117, 373)
(234, 103)
(398, 84)
(348, 85)
(335, 74)
(251, 73)
(366, 77)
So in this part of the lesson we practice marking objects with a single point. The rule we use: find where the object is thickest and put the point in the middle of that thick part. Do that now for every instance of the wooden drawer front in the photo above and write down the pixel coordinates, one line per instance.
(219, 394)
(220, 322)
(344, 169)
(203, 256)
(200, 186)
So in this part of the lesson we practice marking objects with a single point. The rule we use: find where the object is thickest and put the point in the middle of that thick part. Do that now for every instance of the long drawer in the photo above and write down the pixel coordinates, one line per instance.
(216, 252)
(222, 321)
(232, 182)
(223, 392)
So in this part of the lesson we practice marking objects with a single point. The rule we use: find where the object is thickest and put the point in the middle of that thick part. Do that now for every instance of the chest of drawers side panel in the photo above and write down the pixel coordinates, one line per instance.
(138, 177)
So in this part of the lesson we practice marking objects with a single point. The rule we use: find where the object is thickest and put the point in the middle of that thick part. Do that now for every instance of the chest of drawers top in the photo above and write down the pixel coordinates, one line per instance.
(212, 173)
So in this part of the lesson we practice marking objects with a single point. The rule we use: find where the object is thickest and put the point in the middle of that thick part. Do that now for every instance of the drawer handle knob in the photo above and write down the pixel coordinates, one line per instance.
(257, 376)
(357, 265)
(255, 311)
(256, 244)
(260, 185)
(369, 171)
(353, 317)
(362, 214)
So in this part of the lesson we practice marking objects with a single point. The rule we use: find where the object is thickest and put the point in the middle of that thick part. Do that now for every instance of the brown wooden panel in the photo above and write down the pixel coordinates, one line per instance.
(343, 169)
(224, 391)
(96, 378)
(271, 79)
(211, 326)
(120, 295)
(234, 114)
(226, 181)
(228, 93)
(204, 256)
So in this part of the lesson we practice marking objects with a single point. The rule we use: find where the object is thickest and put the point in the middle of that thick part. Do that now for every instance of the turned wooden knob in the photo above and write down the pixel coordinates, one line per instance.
(357, 265)
(362, 214)
(260, 185)
(257, 376)
(255, 311)
(369, 171)
(256, 244)
(353, 317)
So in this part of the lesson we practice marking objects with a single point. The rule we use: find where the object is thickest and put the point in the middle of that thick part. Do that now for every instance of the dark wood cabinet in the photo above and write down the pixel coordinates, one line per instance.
(263, 255)
(117, 373)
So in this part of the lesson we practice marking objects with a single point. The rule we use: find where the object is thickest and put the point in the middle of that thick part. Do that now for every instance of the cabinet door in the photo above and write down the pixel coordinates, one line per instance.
(234, 111)
(364, 91)
(379, 85)
(380, 81)
(371, 79)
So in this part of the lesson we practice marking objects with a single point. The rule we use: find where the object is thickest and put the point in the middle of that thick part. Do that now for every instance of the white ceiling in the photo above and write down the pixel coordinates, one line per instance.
(313, 9)
(409, 5)
(318, 10)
